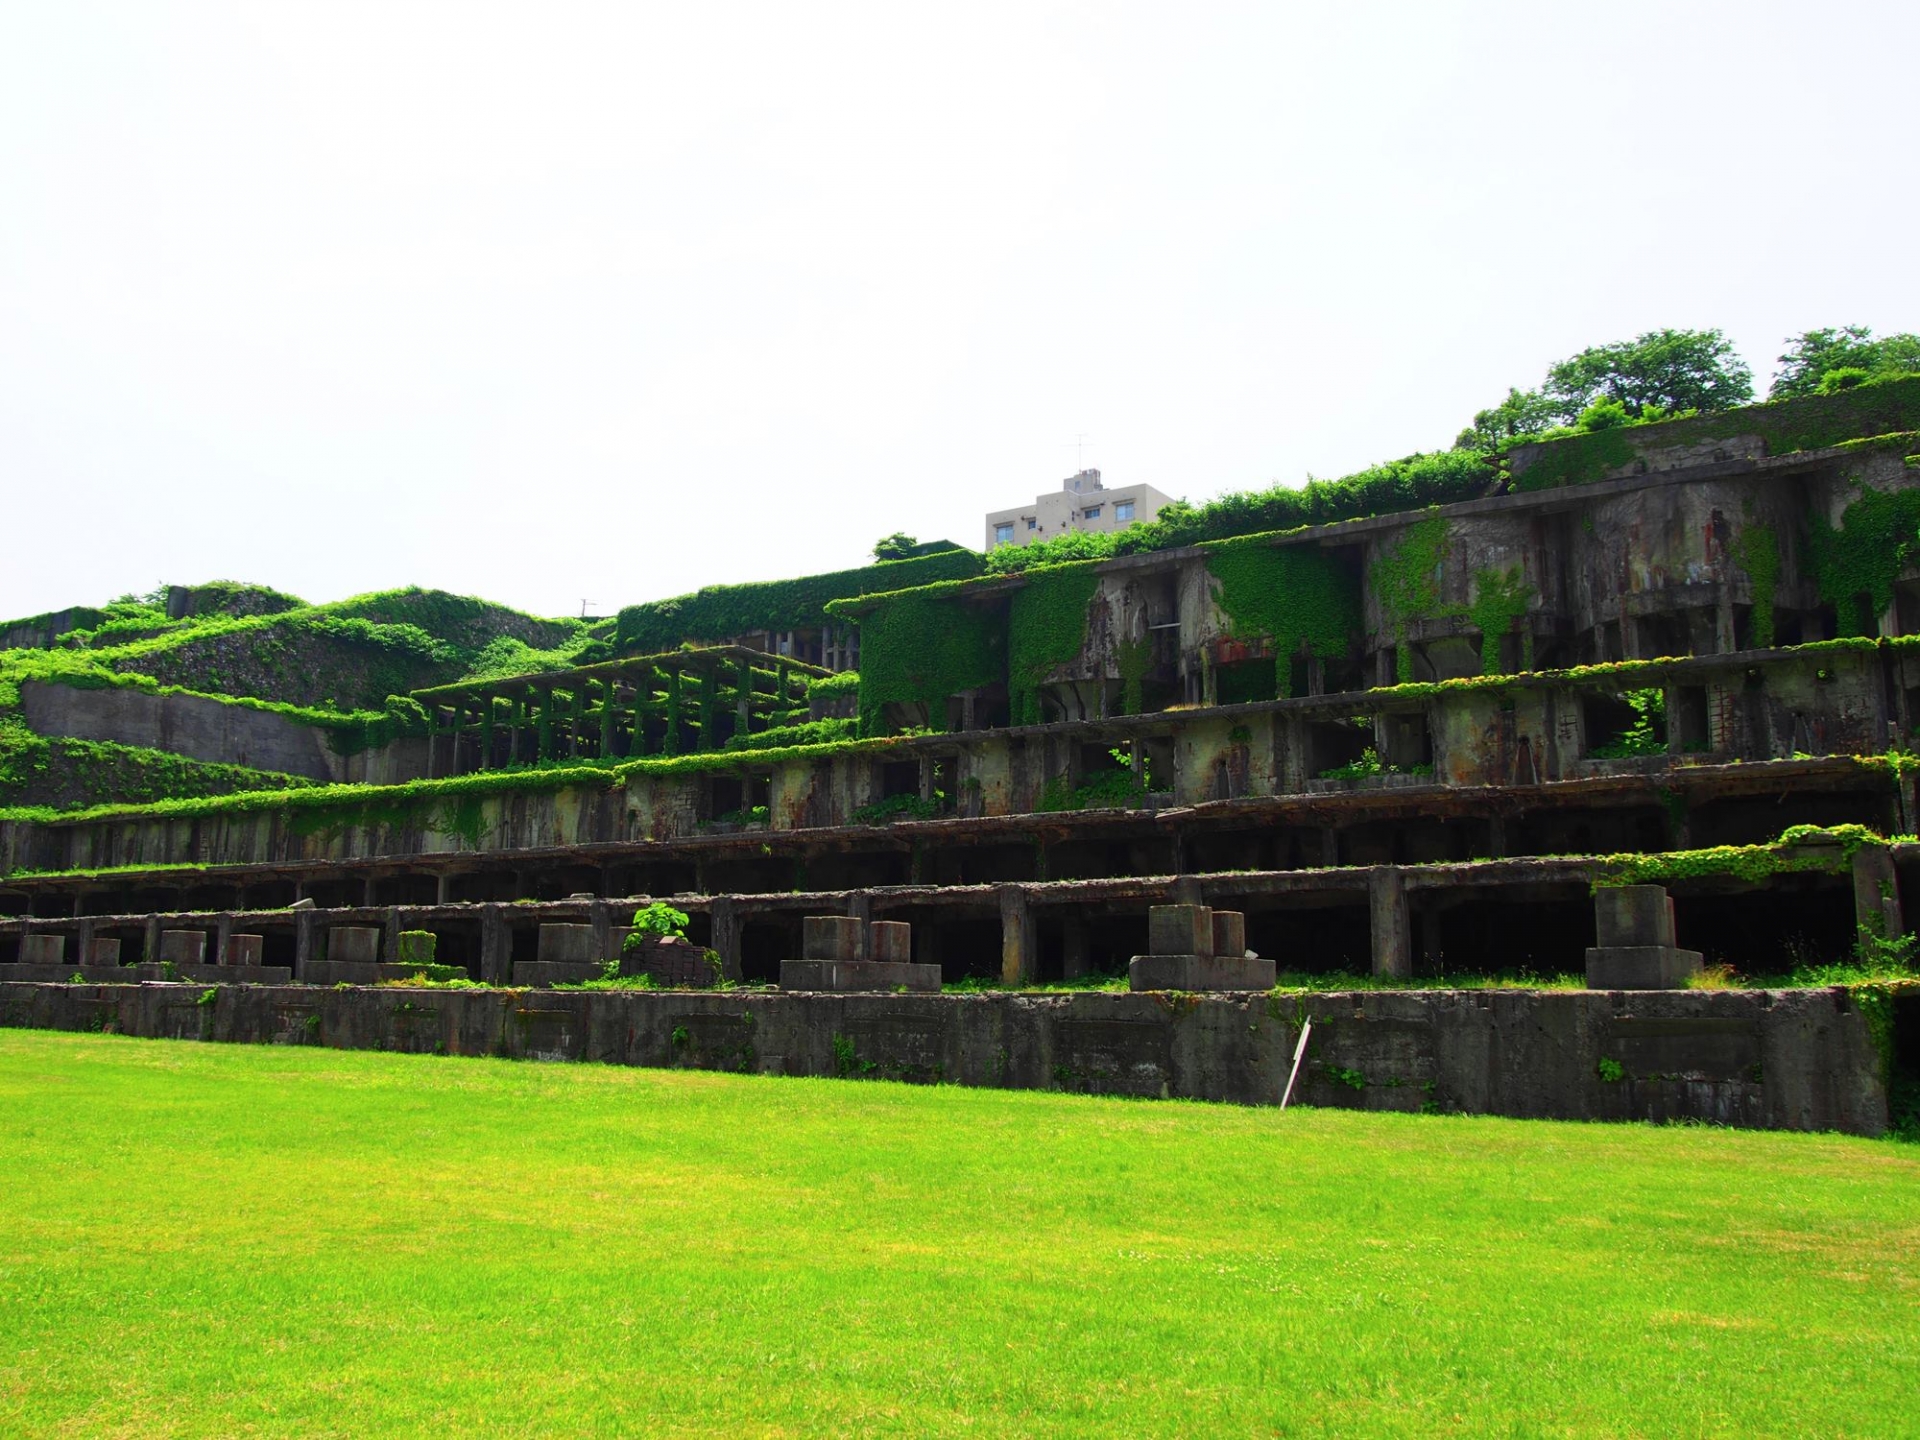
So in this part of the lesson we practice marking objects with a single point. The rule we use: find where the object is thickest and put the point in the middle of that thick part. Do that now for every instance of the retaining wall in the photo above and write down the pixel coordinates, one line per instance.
(1795, 1059)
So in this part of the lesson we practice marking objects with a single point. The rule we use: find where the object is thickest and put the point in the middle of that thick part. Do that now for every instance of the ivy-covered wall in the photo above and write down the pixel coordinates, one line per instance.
(719, 613)
(1290, 597)
(923, 646)
(1046, 628)
(1785, 427)
(1856, 564)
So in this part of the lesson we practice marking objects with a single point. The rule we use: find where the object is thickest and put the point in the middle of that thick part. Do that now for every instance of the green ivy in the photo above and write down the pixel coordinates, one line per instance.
(1406, 583)
(1759, 555)
(1500, 602)
(922, 646)
(1786, 427)
(1877, 535)
(1290, 596)
(1046, 628)
(1133, 658)
(722, 612)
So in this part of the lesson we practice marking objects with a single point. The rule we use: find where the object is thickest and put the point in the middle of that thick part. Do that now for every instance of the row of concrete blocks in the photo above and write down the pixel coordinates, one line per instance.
(845, 953)
(184, 950)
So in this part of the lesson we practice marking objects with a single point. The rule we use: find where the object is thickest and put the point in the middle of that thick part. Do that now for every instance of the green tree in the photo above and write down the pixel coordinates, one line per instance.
(897, 546)
(1671, 369)
(1812, 355)
(1522, 413)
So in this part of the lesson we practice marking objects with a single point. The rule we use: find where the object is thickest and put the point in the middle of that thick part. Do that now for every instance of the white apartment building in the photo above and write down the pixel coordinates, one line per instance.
(1081, 503)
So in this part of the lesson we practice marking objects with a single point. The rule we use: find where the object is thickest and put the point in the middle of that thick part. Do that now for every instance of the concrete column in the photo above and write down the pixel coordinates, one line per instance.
(303, 925)
(390, 942)
(1075, 962)
(442, 887)
(1019, 952)
(1876, 893)
(496, 946)
(602, 921)
(222, 933)
(366, 892)
(83, 941)
(1185, 890)
(727, 925)
(1329, 846)
(150, 941)
(860, 906)
(1387, 906)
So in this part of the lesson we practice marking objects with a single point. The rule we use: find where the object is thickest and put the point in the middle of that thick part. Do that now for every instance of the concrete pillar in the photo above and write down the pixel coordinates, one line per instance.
(222, 935)
(601, 918)
(1075, 961)
(1185, 890)
(83, 942)
(860, 906)
(1329, 847)
(150, 941)
(1876, 893)
(390, 940)
(1392, 926)
(1019, 952)
(496, 946)
(727, 925)
(303, 923)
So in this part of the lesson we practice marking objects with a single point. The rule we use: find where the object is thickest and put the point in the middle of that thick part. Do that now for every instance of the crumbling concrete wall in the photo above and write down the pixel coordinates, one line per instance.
(210, 730)
(1796, 1060)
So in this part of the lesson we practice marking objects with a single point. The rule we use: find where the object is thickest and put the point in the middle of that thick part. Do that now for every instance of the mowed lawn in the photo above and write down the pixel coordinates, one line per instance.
(207, 1239)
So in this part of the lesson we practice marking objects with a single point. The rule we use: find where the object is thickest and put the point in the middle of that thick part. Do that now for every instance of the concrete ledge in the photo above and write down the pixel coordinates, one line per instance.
(335, 972)
(557, 972)
(1783, 1059)
(1199, 972)
(853, 975)
(237, 974)
(91, 974)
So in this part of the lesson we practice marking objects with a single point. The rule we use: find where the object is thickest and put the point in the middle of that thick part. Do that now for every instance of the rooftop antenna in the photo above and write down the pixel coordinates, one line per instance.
(583, 607)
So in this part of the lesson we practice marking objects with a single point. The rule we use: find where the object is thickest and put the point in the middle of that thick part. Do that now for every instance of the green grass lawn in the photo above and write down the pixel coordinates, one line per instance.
(202, 1239)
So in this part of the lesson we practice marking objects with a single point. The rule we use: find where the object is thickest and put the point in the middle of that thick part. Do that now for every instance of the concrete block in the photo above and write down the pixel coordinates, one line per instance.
(106, 951)
(890, 941)
(43, 949)
(831, 937)
(183, 947)
(850, 975)
(1179, 930)
(1229, 934)
(1640, 967)
(567, 945)
(353, 945)
(1632, 915)
(671, 962)
(244, 950)
(417, 947)
(1199, 972)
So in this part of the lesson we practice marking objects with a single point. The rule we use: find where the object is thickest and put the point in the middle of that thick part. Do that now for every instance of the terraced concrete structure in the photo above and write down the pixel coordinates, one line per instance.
(1411, 743)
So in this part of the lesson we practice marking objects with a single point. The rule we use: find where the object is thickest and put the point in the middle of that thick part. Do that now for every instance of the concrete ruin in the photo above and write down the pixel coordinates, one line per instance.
(1427, 742)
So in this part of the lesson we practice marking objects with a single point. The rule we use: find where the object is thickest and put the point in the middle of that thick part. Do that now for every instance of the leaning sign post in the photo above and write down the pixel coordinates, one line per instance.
(1299, 1054)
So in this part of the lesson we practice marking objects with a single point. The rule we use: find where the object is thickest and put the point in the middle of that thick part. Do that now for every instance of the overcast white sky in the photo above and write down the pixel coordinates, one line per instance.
(553, 303)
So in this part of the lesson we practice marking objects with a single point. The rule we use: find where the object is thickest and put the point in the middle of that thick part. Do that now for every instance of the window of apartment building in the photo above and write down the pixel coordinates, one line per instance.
(1123, 509)
(1032, 521)
(1003, 533)
(1092, 512)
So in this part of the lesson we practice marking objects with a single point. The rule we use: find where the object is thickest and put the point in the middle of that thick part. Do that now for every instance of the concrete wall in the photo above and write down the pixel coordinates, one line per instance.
(1796, 1060)
(1527, 731)
(211, 730)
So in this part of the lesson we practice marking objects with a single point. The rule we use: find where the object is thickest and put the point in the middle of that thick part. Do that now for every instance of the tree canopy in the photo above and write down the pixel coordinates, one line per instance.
(1655, 373)
(1812, 356)
(897, 546)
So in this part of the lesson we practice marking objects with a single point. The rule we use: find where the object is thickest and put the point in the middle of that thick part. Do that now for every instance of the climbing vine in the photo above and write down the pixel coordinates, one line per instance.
(1406, 583)
(1500, 601)
(1046, 628)
(1759, 555)
(1292, 596)
(1859, 561)
(922, 646)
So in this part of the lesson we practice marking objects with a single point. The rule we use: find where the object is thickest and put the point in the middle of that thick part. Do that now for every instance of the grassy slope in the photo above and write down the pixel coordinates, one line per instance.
(224, 1240)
